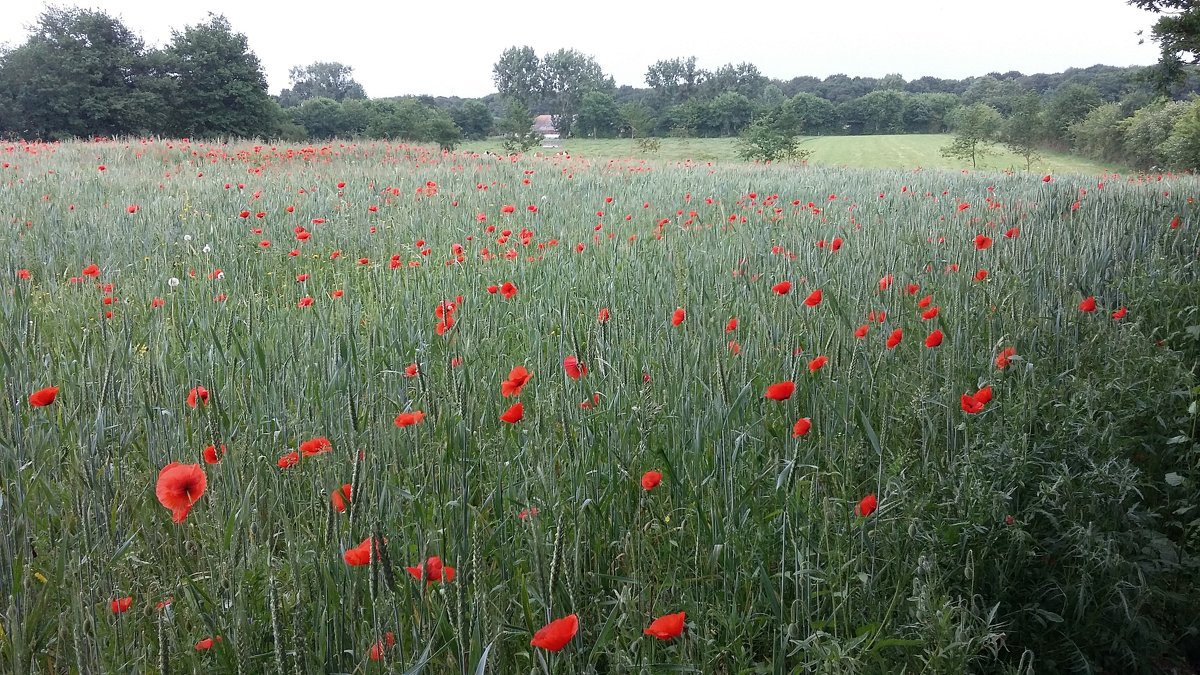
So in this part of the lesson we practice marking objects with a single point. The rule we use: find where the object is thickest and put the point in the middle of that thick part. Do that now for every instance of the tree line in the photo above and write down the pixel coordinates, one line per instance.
(82, 73)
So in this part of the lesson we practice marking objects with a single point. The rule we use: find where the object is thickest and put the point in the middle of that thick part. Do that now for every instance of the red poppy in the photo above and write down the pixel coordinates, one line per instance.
(1120, 313)
(556, 634)
(574, 367)
(315, 446)
(651, 479)
(802, 427)
(813, 298)
(734, 347)
(1088, 304)
(782, 288)
(359, 555)
(934, 339)
(861, 331)
(518, 377)
(508, 290)
(306, 301)
(866, 506)
(196, 396)
(43, 397)
(411, 370)
(984, 395)
(1046, 178)
(432, 570)
(1012, 233)
(667, 627)
(23, 274)
(930, 313)
(1005, 357)
(211, 456)
(341, 497)
(207, 643)
(895, 338)
(1175, 223)
(731, 325)
(817, 364)
(676, 319)
(178, 488)
(121, 605)
(781, 391)
(924, 302)
(91, 270)
(377, 649)
(982, 241)
(603, 316)
(289, 460)
(514, 414)
(408, 419)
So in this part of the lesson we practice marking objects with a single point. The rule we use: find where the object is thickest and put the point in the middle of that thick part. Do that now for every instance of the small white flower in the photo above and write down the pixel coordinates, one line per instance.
(207, 249)
(187, 237)
(173, 282)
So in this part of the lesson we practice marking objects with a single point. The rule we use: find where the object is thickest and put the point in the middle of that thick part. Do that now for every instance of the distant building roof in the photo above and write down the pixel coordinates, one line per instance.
(544, 124)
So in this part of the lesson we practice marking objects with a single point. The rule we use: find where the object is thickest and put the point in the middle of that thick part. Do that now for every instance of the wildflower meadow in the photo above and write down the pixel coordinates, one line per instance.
(371, 407)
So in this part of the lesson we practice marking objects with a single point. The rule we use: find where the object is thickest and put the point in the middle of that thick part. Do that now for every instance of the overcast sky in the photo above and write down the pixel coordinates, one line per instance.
(448, 48)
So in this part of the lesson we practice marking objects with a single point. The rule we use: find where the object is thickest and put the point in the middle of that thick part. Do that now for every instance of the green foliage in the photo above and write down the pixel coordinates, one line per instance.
(598, 115)
(1099, 133)
(219, 86)
(1146, 131)
(1024, 131)
(1182, 147)
(649, 145)
(674, 80)
(516, 126)
(322, 79)
(809, 114)
(1068, 105)
(518, 75)
(975, 129)
(568, 75)
(81, 73)
(474, 118)
(637, 119)
(762, 142)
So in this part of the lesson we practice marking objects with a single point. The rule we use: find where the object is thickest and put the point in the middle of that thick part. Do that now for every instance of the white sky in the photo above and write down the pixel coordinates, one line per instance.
(448, 48)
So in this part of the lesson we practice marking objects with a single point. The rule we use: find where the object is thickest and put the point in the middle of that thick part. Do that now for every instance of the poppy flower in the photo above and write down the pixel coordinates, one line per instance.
(734, 347)
(91, 270)
(780, 391)
(801, 427)
(930, 313)
(43, 397)
(982, 241)
(731, 325)
(315, 446)
(23, 274)
(432, 570)
(289, 460)
(359, 555)
(666, 627)
(651, 479)
(924, 302)
(211, 456)
(813, 298)
(514, 414)
(861, 331)
(973, 403)
(377, 649)
(411, 370)
(1088, 304)
(1120, 313)
(517, 379)
(197, 396)
(895, 338)
(603, 316)
(408, 419)
(817, 364)
(934, 339)
(121, 605)
(984, 395)
(206, 644)
(1012, 233)
(676, 319)
(1175, 223)
(866, 506)
(306, 301)
(574, 368)
(178, 488)
(1005, 357)
(341, 497)
(782, 288)
(508, 290)
(556, 634)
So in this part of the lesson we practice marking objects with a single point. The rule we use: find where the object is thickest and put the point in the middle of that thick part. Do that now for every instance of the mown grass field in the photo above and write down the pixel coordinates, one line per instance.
(902, 151)
(845, 421)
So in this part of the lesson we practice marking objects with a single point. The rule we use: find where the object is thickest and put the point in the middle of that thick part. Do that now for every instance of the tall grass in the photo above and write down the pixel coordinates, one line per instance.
(1054, 531)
